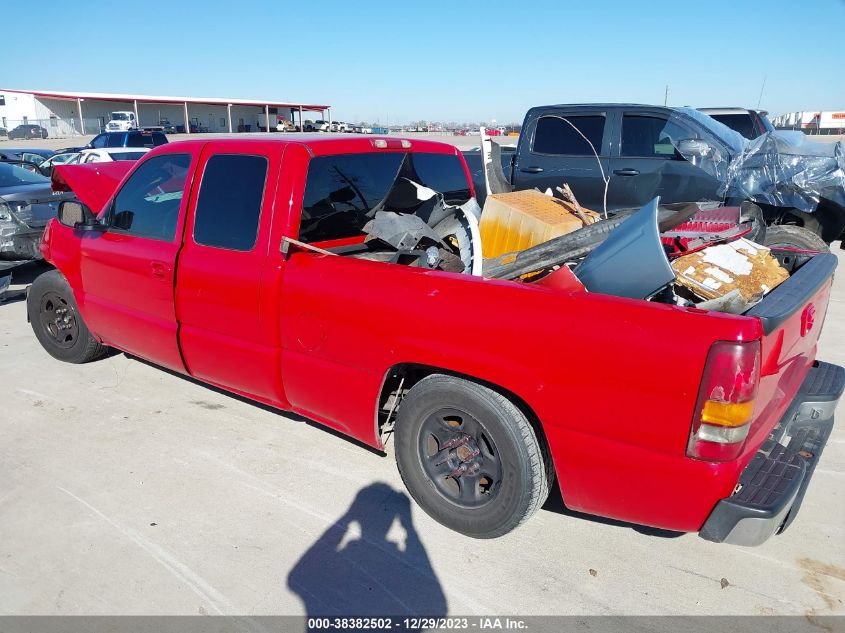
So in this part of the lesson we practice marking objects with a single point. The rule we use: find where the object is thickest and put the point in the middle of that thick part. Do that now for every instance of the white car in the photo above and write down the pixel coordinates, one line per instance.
(108, 154)
(321, 126)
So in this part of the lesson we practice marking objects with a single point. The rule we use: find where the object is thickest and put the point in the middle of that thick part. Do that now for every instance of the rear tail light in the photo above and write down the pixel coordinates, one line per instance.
(725, 401)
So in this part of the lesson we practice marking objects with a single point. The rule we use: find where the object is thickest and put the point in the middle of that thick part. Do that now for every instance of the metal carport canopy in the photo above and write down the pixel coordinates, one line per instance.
(105, 96)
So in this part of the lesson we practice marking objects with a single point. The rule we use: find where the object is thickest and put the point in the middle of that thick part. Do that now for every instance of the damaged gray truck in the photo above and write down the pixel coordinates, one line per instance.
(620, 156)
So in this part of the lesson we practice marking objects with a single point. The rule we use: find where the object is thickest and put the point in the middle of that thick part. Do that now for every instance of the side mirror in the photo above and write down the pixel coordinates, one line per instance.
(76, 215)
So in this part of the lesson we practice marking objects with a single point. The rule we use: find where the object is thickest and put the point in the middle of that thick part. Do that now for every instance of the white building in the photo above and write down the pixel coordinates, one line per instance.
(813, 121)
(76, 113)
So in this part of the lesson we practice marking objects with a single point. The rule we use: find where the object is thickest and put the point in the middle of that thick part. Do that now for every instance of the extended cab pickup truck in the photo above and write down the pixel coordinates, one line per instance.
(633, 149)
(249, 265)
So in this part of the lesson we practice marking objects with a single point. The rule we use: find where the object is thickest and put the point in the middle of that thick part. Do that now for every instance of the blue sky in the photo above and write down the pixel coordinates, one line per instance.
(437, 60)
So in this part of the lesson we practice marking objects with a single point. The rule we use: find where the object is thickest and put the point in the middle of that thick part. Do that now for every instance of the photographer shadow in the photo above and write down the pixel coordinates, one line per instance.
(369, 563)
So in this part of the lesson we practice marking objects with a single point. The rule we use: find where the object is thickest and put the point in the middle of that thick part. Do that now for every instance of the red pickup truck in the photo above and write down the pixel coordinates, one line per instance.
(249, 265)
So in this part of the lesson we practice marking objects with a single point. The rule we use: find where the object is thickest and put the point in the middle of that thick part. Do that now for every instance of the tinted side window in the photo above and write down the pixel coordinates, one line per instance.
(229, 203)
(651, 137)
(557, 135)
(148, 203)
(99, 141)
(159, 139)
(116, 140)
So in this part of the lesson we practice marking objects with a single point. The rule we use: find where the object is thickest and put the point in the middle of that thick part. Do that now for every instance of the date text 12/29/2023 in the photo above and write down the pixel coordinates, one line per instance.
(415, 624)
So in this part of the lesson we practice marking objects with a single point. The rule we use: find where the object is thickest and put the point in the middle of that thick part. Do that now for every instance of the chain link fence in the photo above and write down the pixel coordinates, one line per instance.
(52, 127)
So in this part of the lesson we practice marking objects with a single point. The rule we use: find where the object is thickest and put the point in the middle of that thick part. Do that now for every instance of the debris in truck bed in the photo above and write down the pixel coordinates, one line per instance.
(741, 265)
(631, 262)
(399, 230)
(433, 234)
(518, 220)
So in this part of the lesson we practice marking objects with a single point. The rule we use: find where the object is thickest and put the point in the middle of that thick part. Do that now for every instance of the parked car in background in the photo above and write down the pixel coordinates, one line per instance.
(4, 131)
(109, 154)
(122, 121)
(284, 125)
(27, 131)
(164, 125)
(32, 156)
(27, 203)
(132, 138)
(62, 158)
(340, 126)
(321, 126)
(749, 123)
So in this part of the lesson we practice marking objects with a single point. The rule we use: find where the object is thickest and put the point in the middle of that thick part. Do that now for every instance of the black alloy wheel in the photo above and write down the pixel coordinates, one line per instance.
(460, 458)
(58, 320)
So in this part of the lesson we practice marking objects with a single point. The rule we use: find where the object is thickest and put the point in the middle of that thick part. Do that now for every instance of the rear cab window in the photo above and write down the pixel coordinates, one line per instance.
(140, 139)
(741, 123)
(343, 192)
(569, 135)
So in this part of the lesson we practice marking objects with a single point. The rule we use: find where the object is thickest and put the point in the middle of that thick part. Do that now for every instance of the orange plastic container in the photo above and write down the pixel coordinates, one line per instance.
(514, 221)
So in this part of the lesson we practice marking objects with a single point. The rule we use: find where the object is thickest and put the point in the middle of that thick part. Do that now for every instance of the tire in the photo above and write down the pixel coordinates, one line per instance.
(787, 236)
(56, 321)
(447, 425)
(809, 221)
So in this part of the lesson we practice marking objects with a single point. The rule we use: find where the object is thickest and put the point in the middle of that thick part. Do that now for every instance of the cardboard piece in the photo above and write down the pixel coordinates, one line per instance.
(739, 265)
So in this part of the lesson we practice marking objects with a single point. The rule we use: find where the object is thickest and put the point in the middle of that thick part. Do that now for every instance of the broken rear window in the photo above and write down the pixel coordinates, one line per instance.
(343, 193)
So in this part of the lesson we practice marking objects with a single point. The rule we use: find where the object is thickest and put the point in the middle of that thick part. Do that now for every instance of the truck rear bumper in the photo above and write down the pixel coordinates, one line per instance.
(772, 486)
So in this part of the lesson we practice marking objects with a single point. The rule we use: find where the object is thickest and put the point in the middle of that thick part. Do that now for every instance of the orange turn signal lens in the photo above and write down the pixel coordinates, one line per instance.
(731, 414)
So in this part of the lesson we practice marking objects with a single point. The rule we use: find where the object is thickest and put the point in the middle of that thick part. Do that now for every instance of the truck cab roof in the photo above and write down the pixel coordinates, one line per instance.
(587, 106)
(321, 144)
